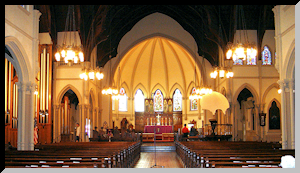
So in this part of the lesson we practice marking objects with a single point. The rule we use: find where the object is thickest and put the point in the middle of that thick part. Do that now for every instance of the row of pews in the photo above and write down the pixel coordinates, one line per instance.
(229, 154)
(76, 155)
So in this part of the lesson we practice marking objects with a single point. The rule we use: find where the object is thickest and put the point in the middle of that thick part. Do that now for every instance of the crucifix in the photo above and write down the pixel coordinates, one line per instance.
(158, 119)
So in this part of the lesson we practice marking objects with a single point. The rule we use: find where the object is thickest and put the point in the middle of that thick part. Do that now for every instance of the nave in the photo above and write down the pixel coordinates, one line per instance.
(187, 154)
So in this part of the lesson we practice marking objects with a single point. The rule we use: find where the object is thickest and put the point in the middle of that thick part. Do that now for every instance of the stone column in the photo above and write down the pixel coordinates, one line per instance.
(282, 85)
(292, 111)
(25, 115)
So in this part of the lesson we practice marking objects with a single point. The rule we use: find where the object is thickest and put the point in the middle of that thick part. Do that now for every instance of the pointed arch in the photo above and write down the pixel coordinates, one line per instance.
(139, 101)
(65, 89)
(158, 101)
(278, 105)
(141, 87)
(289, 63)
(125, 86)
(177, 86)
(274, 85)
(177, 100)
(251, 89)
(19, 58)
(161, 88)
(266, 56)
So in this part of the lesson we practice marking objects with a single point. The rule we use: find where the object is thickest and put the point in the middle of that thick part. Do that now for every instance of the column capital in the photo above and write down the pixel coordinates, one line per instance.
(26, 86)
(286, 84)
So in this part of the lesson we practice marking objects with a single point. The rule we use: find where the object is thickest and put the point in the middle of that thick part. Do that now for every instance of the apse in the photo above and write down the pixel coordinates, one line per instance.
(158, 62)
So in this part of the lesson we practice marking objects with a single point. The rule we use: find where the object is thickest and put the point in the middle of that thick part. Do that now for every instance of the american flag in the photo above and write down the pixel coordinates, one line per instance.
(35, 135)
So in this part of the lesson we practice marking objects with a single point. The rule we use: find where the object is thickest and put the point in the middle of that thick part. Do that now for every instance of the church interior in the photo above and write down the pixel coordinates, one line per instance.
(110, 85)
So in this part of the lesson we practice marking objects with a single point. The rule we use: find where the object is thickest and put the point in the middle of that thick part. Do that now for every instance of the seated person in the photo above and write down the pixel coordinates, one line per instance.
(117, 136)
(193, 131)
(95, 133)
(101, 135)
(185, 131)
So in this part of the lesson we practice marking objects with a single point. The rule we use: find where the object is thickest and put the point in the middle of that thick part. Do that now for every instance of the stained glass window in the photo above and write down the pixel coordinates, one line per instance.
(177, 100)
(158, 101)
(123, 100)
(266, 56)
(250, 59)
(139, 101)
(194, 102)
(238, 62)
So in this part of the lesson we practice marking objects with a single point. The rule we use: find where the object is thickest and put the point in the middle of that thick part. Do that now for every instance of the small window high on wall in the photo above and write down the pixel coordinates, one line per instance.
(266, 56)
(177, 100)
(158, 100)
(123, 100)
(139, 101)
(250, 59)
(194, 102)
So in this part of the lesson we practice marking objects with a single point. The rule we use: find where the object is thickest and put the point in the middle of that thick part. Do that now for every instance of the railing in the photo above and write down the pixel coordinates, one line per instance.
(220, 129)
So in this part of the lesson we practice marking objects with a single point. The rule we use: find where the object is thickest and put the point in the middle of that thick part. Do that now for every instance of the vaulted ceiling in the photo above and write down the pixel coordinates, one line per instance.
(210, 26)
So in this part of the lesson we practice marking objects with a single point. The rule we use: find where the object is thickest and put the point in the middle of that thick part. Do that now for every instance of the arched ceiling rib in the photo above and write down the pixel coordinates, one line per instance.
(157, 60)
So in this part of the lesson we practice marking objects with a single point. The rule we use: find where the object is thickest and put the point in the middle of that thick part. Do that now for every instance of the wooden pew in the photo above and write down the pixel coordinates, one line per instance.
(96, 154)
(229, 154)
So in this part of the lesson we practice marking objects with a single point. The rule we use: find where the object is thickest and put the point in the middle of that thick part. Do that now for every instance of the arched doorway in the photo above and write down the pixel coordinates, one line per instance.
(16, 55)
(69, 116)
(245, 119)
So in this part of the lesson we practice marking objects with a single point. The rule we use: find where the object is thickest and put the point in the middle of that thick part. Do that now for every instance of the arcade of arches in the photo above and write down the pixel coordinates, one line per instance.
(156, 68)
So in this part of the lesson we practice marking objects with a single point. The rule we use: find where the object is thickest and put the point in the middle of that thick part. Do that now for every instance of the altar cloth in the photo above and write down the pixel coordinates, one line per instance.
(159, 129)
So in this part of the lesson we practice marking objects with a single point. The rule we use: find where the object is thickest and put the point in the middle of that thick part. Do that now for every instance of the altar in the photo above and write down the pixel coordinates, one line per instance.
(159, 129)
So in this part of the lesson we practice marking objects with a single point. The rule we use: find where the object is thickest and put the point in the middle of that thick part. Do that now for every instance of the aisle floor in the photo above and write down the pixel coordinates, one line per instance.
(165, 159)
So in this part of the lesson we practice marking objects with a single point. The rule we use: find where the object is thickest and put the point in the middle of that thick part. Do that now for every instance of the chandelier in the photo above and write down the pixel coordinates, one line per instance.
(199, 92)
(110, 91)
(240, 51)
(71, 52)
(91, 74)
(222, 72)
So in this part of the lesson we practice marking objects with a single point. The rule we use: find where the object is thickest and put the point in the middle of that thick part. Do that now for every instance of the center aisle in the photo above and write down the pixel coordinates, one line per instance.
(166, 159)
(165, 156)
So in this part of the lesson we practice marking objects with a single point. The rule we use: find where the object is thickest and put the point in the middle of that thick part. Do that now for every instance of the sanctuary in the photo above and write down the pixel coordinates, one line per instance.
(133, 74)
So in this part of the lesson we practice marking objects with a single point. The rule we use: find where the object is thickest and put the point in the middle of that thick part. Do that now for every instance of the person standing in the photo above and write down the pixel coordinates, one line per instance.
(185, 131)
(77, 132)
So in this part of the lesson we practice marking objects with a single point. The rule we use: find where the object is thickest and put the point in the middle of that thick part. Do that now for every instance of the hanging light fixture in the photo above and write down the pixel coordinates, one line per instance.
(110, 90)
(233, 52)
(241, 50)
(201, 91)
(222, 72)
(91, 74)
(71, 52)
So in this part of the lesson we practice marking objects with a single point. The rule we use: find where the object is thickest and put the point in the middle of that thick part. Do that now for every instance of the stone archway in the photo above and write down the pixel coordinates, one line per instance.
(26, 88)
